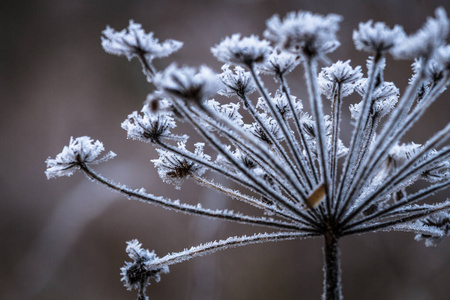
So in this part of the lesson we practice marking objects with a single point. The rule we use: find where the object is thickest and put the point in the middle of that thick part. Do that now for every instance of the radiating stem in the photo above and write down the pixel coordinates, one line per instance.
(287, 134)
(190, 209)
(300, 132)
(335, 140)
(344, 185)
(317, 111)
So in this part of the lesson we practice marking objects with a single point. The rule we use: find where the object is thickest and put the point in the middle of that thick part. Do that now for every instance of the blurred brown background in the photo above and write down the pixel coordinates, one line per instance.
(65, 238)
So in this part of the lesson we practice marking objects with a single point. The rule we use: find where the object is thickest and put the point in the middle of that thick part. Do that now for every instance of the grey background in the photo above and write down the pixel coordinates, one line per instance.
(65, 238)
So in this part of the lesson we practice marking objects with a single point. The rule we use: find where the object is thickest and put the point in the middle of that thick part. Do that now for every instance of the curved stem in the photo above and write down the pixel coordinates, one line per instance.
(186, 208)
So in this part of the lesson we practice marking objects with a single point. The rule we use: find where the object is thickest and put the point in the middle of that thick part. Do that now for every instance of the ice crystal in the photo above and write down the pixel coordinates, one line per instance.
(289, 163)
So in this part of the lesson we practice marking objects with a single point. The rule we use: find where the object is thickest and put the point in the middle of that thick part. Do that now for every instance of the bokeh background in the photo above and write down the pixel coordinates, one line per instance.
(65, 238)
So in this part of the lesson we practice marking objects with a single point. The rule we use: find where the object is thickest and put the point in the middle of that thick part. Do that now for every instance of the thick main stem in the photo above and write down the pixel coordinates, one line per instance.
(332, 268)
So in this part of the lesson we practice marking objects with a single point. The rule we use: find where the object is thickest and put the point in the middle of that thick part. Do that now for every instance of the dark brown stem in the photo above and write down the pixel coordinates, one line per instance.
(332, 268)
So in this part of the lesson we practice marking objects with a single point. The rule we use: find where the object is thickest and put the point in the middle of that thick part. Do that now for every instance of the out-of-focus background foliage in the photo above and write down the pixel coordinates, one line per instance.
(65, 238)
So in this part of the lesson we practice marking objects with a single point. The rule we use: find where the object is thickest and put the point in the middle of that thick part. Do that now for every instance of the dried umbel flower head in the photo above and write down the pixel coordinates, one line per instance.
(426, 41)
(304, 33)
(149, 126)
(339, 77)
(285, 160)
(174, 168)
(188, 83)
(280, 63)
(242, 51)
(137, 274)
(81, 151)
(134, 42)
(377, 38)
(235, 83)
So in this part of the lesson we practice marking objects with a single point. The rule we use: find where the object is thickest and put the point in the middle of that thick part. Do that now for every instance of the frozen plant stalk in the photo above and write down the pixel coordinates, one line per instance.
(286, 160)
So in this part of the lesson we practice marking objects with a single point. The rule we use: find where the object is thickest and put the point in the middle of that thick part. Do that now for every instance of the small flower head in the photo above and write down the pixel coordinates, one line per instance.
(137, 274)
(82, 150)
(384, 98)
(340, 73)
(435, 71)
(304, 33)
(270, 125)
(376, 38)
(439, 227)
(439, 172)
(149, 126)
(230, 111)
(187, 83)
(242, 51)
(238, 83)
(174, 169)
(281, 103)
(280, 63)
(426, 41)
(134, 42)
(442, 57)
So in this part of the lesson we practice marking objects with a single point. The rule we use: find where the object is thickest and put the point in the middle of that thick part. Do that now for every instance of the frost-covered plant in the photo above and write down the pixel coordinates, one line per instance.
(286, 160)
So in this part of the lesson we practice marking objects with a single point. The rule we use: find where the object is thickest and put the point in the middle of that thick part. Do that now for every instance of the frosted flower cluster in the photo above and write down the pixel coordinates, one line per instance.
(339, 74)
(289, 163)
(137, 274)
(377, 38)
(134, 42)
(304, 33)
(242, 51)
(81, 151)
(187, 83)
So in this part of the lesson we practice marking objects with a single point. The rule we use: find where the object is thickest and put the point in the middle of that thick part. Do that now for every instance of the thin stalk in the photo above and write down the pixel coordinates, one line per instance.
(244, 198)
(212, 166)
(356, 138)
(395, 208)
(295, 209)
(266, 164)
(336, 110)
(317, 110)
(384, 144)
(190, 209)
(392, 222)
(405, 173)
(278, 118)
(264, 156)
(231, 242)
(309, 164)
(277, 145)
